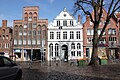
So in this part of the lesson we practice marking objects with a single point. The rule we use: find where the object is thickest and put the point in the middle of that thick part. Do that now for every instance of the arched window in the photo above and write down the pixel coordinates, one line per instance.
(30, 16)
(56, 50)
(38, 30)
(16, 28)
(35, 16)
(26, 16)
(51, 49)
(72, 46)
(78, 46)
(20, 30)
(44, 30)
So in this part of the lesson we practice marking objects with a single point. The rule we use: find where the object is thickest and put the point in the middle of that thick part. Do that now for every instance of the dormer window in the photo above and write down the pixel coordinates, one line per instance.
(64, 23)
(71, 23)
(58, 23)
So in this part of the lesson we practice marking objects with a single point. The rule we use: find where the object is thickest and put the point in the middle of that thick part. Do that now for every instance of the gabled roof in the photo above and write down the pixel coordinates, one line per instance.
(64, 15)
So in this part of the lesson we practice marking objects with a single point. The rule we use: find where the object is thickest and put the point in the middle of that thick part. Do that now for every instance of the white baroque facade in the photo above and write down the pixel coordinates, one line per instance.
(65, 38)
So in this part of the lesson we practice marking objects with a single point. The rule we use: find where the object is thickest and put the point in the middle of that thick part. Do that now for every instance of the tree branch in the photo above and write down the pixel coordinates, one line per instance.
(85, 12)
(101, 9)
(110, 7)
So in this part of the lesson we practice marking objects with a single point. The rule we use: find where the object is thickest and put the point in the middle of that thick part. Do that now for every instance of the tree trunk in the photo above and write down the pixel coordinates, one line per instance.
(94, 57)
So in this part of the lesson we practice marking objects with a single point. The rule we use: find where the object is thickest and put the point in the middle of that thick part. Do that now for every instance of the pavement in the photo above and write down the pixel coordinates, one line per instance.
(65, 71)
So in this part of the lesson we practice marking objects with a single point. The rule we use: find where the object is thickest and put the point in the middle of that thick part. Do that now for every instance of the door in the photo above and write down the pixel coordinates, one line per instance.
(65, 50)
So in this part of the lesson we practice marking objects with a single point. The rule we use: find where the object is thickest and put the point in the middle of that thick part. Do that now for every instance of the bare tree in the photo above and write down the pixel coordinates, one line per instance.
(86, 6)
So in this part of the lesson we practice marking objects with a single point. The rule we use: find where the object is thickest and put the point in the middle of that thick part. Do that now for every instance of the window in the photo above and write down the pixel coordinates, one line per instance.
(78, 34)
(64, 35)
(64, 15)
(7, 37)
(72, 46)
(58, 35)
(20, 41)
(71, 35)
(15, 42)
(6, 45)
(3, 30)
(71, 23)
(78, 46)
(34, 33)
(25, 32)
(112, 38)
(112, 31)
(24, 41)
(3, 37)
(21, 29)
(30, 25)
(29, 42)
(89, 31)
(38, 41)
(64, 23)
(34, 25)
(39, 32)
(72, 53)
(51, 35)
(20, 33)
(7, 61)
(25, 25)
(33, 41)
(30, 18)
(0, 45)
(29, 33)
(89, 40)
(56, 50)
(35, 18)
(58, 23)
(51, 50)
(78, 53)
(44, 33)
(26, 19)
(87, 52)
(102, 40)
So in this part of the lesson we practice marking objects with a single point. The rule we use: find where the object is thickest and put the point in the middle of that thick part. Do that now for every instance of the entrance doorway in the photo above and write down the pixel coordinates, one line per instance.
(65, 52)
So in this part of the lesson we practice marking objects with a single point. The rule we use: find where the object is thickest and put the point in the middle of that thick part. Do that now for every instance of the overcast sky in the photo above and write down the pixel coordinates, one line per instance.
(48, 9)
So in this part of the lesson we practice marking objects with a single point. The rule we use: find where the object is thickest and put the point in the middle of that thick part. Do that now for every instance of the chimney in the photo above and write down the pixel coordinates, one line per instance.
(79, 19)
(4, 23)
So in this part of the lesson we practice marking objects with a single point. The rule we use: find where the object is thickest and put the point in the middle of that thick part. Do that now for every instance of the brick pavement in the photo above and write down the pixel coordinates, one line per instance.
(65, 71)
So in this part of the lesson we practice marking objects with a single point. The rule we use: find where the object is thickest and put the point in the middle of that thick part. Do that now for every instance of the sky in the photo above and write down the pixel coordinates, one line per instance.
(48, 9)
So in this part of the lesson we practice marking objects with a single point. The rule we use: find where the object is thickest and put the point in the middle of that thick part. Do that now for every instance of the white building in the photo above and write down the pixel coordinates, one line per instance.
(65, 37)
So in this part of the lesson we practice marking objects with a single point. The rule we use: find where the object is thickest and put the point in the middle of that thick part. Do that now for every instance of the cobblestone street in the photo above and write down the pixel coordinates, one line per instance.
(64, 71)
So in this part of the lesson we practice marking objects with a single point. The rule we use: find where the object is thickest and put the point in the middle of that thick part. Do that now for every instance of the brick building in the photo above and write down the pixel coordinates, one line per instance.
(5, 39)
(108, 44)
(30, 35)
